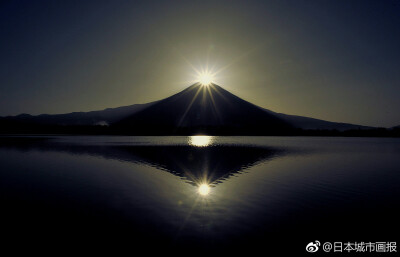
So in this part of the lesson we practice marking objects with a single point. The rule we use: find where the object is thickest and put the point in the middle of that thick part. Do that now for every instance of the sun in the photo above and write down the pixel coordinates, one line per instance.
(204, 189)
(206, 78)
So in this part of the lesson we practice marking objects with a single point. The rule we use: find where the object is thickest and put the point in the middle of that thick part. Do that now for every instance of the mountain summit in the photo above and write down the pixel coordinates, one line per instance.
(203, 109)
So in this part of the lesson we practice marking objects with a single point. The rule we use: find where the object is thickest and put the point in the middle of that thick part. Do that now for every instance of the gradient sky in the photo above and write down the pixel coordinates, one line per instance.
(332, 60)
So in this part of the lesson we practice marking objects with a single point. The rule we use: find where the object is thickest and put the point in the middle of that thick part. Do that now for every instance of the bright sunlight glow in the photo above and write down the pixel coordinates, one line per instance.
(204, 189)
(206, 78)
(200, 141)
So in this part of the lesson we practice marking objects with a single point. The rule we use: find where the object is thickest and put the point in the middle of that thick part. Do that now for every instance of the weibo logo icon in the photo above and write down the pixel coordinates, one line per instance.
(313, 247)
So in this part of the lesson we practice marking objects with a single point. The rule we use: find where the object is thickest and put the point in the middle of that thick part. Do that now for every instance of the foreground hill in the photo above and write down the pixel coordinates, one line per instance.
(102, 117)
(316, 124)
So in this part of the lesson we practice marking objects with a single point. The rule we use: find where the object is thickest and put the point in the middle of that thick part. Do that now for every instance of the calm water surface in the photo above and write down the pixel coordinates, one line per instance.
(196, 194)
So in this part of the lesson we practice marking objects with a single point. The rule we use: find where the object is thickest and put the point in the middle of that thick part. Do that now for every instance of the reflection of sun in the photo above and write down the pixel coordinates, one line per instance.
(204, 189)
(205, 78)
(200, 141)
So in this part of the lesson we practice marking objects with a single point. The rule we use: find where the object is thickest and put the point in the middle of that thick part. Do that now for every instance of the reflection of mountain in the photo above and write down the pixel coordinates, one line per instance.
(197, 109)
(212, 164)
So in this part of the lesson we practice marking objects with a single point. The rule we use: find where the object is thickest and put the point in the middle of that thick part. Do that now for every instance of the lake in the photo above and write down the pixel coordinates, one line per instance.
(200, 194)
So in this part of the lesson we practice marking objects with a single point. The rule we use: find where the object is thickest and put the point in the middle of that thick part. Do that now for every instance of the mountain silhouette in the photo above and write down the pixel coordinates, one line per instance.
(195, 110)
(203, 109)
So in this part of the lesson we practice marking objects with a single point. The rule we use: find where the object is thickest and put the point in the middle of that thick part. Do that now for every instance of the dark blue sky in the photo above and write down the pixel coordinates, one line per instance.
(333, 60)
